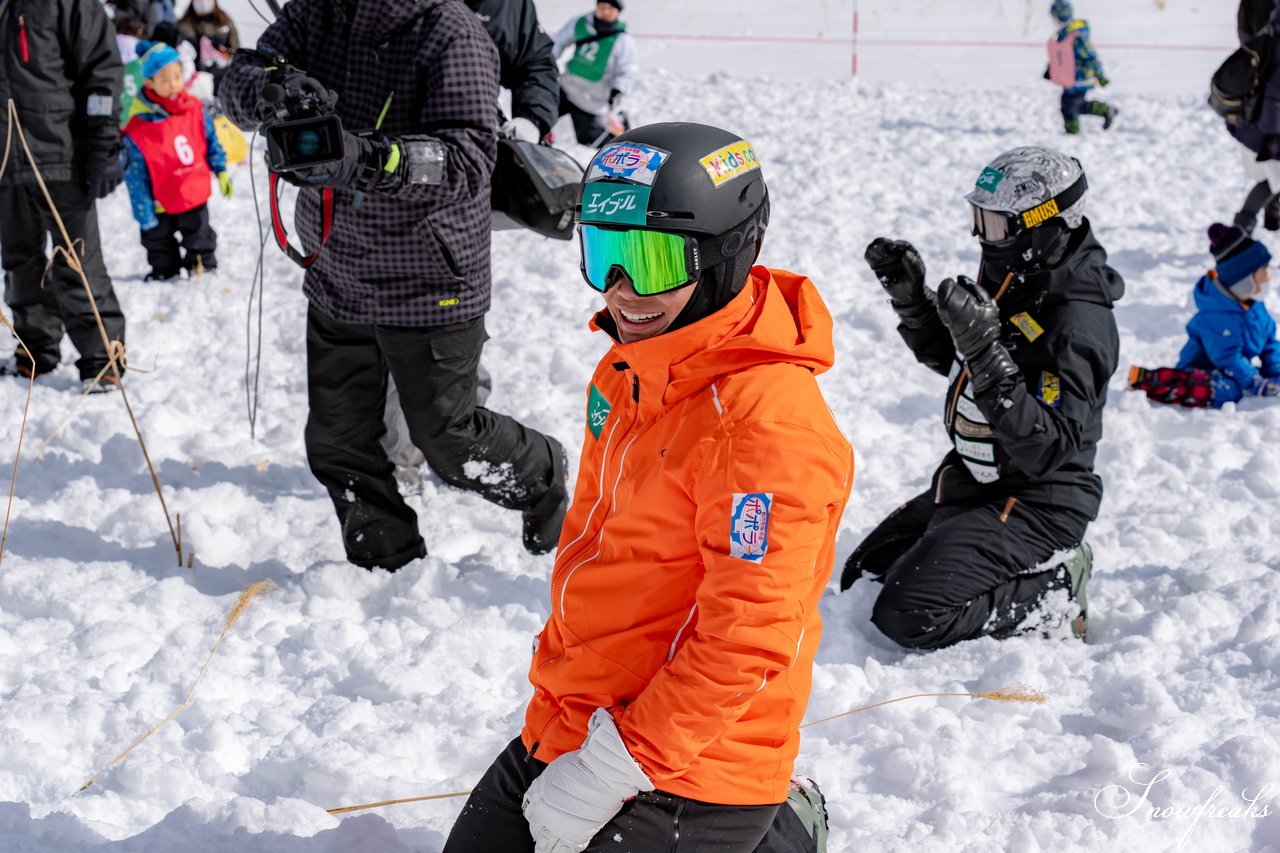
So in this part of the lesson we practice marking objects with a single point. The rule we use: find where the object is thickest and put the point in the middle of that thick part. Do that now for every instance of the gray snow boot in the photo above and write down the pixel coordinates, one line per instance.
(1078, 567)
(810, 807)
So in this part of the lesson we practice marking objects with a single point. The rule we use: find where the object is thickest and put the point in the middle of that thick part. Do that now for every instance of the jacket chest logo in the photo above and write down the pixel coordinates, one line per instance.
(1027, 325)
(598, 409)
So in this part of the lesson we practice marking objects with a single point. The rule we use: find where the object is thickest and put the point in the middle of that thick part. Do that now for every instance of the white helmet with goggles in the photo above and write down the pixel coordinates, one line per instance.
(1025, 201)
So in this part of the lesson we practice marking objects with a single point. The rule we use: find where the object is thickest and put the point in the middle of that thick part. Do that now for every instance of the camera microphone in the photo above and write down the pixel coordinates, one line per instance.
(273, 93)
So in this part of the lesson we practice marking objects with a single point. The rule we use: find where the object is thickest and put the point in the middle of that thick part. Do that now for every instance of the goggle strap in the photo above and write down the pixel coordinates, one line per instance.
(1054, 206)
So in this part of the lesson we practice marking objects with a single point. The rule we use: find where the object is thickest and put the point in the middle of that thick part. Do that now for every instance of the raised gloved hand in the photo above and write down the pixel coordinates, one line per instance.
(103, 170)
(522, 129)
(973, 319)
(365, 162)
(900, 269)
(225, 185)
(582, 790)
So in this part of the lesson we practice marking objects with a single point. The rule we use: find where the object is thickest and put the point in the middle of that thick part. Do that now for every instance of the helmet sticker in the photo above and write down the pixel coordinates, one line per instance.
(990, 179)
(615, 203)
(749, 527)
(627, 161)
(730, 162)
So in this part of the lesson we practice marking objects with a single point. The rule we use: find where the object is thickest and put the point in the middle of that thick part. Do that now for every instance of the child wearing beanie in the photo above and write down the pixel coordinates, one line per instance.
(171, 153)
(1230, 330)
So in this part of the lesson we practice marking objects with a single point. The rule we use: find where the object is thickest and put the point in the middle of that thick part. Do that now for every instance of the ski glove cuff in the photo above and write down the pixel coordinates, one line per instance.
(581, 791)
(972, 318)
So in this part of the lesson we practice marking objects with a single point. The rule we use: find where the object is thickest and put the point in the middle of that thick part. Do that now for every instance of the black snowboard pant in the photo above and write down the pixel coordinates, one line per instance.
(466, 446)
(588, 127)
(654, 822)
(199, 241)
(41, 314)
(956, 572)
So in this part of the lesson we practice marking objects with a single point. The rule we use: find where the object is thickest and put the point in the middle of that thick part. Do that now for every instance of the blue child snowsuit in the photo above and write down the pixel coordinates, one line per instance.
(1225, 336)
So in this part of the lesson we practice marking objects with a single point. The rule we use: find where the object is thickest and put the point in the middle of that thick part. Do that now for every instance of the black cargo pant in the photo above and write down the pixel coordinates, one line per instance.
(956, 572)
(588, 127)
(41, 314)
(654, 822)
(199, 241)
(465, 445)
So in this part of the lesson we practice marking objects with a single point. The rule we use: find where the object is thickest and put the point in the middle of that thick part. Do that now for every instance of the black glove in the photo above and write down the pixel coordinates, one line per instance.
(973, 319)
(614, 95)
(362, 167)
(900, 269)
(102, 168)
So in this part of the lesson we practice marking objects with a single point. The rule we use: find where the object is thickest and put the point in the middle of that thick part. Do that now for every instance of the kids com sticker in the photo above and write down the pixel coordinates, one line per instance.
(625, 161)
(730, 162)
(749, 528)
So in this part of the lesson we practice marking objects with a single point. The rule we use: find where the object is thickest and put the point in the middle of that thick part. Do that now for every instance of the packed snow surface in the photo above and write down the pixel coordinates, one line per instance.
(345, 687)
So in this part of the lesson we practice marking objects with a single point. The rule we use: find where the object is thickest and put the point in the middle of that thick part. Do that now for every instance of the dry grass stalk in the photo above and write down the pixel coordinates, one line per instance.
(114, 362)
(1017, 693)
(242, 604)
(346, 809)
(22, 430)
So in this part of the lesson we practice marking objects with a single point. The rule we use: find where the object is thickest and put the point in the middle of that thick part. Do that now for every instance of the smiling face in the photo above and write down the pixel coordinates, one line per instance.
(166, 82)
(642, 317)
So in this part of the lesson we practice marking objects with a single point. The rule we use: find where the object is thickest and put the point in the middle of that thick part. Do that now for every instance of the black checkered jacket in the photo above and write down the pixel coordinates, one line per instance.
(409, 256)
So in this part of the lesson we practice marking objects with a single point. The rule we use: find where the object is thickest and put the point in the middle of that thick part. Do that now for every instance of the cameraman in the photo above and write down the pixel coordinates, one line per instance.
(402, 283)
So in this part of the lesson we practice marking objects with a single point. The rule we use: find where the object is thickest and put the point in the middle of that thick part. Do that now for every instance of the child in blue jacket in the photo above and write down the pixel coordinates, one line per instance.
(171, 154)
(1230, 329)
(1087, 67)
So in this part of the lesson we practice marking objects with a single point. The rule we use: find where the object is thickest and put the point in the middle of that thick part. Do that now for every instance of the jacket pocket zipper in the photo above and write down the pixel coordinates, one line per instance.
(22, 38)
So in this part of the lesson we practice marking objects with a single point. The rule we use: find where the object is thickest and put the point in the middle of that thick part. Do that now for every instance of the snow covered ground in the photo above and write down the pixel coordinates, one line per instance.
(346, 687)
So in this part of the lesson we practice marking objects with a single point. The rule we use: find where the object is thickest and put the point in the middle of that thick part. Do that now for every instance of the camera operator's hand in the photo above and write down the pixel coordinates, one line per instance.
(364, 163)
(973, 319)
(103, 170)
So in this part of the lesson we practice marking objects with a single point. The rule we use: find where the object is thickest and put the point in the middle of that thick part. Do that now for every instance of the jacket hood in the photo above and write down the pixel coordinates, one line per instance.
(1210, 297)
(376, 20)
(778, 317)
(1081, 276)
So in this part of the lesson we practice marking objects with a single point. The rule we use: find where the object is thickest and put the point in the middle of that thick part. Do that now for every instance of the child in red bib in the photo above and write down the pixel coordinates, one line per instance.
(171, 153)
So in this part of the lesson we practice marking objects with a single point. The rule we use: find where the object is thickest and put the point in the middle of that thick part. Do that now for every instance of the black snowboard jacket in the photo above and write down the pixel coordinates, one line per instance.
(529, 68)
(409, 254)
(1035, 437)
(60, 64)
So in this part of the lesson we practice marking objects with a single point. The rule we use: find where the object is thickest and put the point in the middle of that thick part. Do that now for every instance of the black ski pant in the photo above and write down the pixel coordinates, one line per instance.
(588, 127)
(199, 241)
(956, 572)
(654, 822)
(42, 313)
(466, 446)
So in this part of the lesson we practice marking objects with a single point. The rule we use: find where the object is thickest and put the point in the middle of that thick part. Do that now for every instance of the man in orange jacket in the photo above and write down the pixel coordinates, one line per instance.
(674, 671)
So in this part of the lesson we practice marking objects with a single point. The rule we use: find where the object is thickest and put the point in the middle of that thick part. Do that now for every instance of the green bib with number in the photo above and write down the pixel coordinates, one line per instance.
(132, 86)
(591, 57)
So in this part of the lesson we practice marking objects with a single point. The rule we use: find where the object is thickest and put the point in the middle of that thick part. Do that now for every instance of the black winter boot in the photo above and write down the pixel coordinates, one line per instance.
(543, 520)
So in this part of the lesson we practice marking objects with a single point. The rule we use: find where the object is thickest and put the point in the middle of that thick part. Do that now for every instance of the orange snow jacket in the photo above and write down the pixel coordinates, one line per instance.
(702, 533)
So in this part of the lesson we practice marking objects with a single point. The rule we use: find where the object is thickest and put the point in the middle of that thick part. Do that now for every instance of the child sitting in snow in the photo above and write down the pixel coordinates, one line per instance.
(171, 152)
(1230, 329)
(1074, 65)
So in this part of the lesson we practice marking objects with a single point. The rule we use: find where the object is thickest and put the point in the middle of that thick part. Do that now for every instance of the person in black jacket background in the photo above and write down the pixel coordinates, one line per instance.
(402, 284)
(528, 67)
(1029, 348)
(61, 67)
(1262, 139)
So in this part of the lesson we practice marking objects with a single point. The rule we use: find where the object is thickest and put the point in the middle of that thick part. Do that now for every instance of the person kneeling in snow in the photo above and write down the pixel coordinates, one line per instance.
(172, 151)
(672, 675)
(1029, 349)
(1230, 329)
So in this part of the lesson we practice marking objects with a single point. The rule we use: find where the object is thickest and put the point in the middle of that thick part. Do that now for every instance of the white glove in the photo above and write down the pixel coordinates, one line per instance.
(523, 130)
(581, 791)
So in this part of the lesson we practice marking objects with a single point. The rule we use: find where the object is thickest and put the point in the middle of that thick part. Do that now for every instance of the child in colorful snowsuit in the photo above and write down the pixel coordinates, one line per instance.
(1076, 69)
(1230, 329)
(601, 71)
(171, 152)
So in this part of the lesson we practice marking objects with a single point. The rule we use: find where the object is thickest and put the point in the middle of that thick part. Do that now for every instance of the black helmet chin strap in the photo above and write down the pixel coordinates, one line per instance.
(726, 265)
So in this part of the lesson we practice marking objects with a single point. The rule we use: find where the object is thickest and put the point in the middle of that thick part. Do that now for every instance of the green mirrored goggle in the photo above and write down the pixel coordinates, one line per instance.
(655, 261)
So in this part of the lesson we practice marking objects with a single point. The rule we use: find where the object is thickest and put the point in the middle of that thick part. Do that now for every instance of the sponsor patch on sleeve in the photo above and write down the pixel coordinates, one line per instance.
(749, 527)
(598, 409)
(730, 162)
(99, 105)
(1027, 325)
(1050, 389)
(626, 161)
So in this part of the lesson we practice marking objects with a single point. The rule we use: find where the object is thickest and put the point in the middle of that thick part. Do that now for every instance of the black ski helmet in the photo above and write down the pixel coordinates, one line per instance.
(690, 179)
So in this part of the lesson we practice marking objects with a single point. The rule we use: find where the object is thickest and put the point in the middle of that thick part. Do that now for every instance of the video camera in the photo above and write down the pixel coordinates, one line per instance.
(301, 128)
